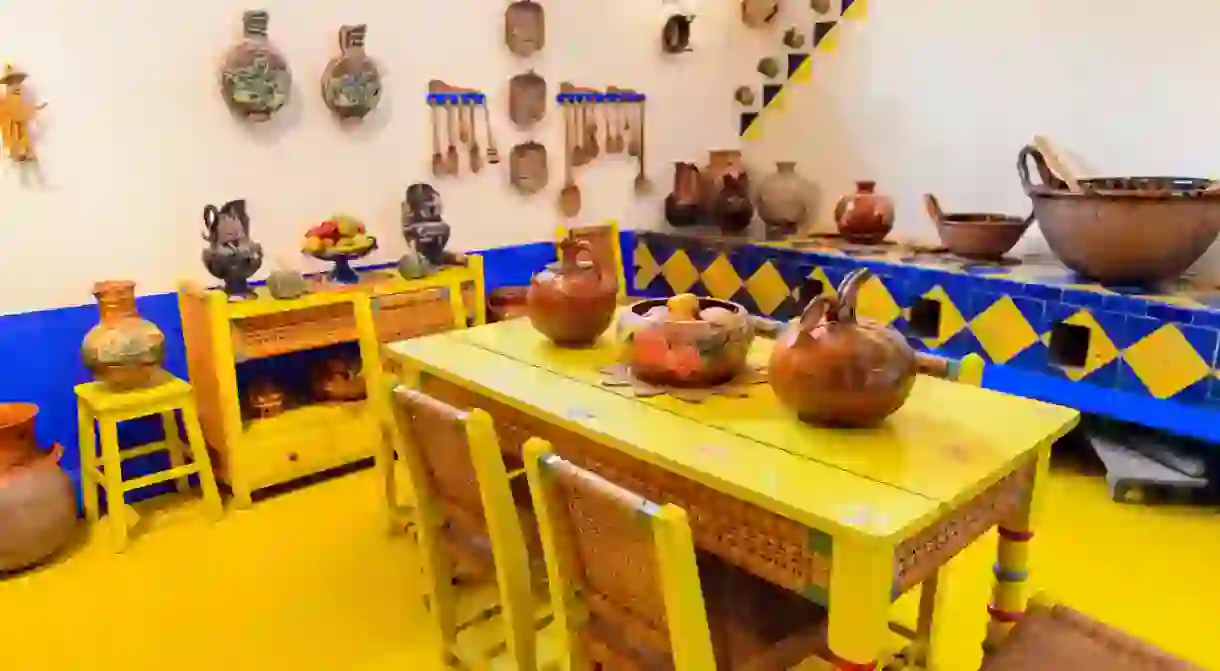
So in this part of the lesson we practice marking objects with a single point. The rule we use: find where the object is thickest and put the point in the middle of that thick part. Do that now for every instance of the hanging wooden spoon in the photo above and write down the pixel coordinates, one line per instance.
(451, 155)
(493, 155)
(614, 140)
(579, 156)
(635, 137)
(642, 184)
(569, 196)
(463, 121)
(476, 152)
(591, 146)
(438, 161)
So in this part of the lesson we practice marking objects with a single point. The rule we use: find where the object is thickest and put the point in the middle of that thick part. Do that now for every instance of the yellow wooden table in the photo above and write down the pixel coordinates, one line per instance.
(858, 515)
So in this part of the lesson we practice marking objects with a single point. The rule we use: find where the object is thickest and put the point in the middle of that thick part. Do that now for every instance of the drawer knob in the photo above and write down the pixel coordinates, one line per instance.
(293, 456)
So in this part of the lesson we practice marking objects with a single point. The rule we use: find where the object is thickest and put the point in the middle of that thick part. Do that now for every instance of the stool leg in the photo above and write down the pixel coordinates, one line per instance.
(87, 438)
(116, 496)
(199, 452)
(173, 445)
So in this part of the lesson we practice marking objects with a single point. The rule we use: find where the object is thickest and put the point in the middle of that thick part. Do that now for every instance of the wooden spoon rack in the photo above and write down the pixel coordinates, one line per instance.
(457, 110)
(604, 122)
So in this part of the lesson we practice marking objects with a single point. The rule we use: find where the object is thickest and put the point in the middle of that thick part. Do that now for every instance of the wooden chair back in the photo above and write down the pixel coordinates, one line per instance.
(463, 496)
(624, 583)
(606, 244)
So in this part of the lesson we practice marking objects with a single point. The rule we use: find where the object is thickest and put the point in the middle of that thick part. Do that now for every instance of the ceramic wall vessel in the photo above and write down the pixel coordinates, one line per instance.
(527, 100)
(864, 217)
(231, 256)
(528, 170)
(38, 515)
(683, 205)
(833, 368)
(783, 200)
(351, 82)
(573, 301)
(255, 80)
(123, 351)
(706, 347)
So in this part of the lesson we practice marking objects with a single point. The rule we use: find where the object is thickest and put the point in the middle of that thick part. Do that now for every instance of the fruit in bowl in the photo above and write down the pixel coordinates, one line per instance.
(685, 340)
(338, 235)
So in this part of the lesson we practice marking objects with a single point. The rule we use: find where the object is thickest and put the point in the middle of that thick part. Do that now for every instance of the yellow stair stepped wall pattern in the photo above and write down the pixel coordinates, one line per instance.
(1036, 319)
(796, 66)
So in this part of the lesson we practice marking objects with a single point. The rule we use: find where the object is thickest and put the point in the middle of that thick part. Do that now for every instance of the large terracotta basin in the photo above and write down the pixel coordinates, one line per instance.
(1124, 230)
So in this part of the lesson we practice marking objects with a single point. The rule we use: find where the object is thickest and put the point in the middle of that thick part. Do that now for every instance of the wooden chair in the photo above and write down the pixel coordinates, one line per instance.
(1053, 636)
(607, 248)
(471, 540)
(625, 585)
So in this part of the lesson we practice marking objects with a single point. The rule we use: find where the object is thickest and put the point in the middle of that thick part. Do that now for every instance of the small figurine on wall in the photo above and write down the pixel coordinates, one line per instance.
(231, 256)
(255, 79)
(16, 113)
(351, 84)
(422, 225)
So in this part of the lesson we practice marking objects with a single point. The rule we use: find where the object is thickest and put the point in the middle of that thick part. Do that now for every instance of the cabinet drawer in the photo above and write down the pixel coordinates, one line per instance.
(293, 331)
(413, 313)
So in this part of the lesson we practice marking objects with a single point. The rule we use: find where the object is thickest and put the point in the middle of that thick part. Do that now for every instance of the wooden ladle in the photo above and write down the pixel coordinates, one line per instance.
(579, 154)
(591, 147)
(451, 155)
(438, 162)
(493, 154)
(569, 196)
(635, 137)
(476, 152)
(1056, 163)
(642, 184)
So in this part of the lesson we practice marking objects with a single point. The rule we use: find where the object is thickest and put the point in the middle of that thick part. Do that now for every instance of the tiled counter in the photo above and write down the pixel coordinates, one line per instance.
(1147, 358)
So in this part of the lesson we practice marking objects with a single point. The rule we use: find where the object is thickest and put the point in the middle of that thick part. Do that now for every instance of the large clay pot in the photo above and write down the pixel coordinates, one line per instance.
(783, 200)
(864, 217)
(124, 351)
(703, 351)
(37, 512)
(833, 368)
(572, 302)
(17, 444)
(1124, 230)
(682, 206)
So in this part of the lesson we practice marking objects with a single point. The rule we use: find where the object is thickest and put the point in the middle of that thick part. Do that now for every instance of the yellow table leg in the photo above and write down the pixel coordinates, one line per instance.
(931, 596)
(173, 445)
(1012, 565)
(861, 581)
(199, 453)
(116, 495)
(87, 439)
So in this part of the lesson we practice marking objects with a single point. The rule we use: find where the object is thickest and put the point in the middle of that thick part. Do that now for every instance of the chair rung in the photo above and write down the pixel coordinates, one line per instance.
(162, 476)
(143, 450)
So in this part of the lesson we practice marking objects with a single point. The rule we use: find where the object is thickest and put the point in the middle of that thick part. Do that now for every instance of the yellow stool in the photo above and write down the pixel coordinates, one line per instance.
(96, 404)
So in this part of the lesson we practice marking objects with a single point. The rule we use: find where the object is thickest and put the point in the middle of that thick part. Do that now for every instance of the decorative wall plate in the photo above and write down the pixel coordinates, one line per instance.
(255, 79)
(527, 101)
(527, 167)
(351, 83)
(525, 28)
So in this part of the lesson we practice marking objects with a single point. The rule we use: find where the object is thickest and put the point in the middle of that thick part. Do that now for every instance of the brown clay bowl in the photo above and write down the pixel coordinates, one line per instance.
(1124, 230)
(685, 353)
(977, 235)
(507, 303)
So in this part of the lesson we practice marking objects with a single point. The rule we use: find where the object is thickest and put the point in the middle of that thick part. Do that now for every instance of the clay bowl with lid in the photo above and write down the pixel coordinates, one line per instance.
(1123, 230)
(704, 346)
(985, 236)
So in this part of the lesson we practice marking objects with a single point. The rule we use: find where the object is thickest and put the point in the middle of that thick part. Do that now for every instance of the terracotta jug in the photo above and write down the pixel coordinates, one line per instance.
(124, 351)
(726, 191)
(572, 302)
(864, 217)
(682, 206)
(833, 368)
(37, 511)
(17, 444)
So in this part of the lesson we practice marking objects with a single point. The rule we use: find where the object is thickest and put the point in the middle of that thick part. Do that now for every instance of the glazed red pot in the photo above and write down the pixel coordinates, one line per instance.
(573, 301)
(38, 513)
(834, 368)
(864, 217)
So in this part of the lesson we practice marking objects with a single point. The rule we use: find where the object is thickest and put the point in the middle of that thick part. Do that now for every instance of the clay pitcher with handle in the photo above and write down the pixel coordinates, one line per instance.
(836, 369)
(573, 301)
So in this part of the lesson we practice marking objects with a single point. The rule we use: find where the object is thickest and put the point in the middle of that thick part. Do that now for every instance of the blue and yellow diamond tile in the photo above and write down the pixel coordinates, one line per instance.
(1171, 312)
(1171, 361)
(1042, 292)
(961, 344)
(1213, 388)
(745, 300)
(1006, 326)
(747, 260)
(787, 310)
(1064, 345)
(701, 255)
(1206, 318)
(1128, 305)
(661, 249)
(1084, 299)
(658, 288)
(795, 272)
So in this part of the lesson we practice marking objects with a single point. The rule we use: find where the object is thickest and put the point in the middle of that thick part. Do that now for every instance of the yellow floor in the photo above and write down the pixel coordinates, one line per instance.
(308, 581)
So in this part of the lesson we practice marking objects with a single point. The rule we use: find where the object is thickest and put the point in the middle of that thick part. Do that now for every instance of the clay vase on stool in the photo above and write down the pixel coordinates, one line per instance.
(864, 217)
(124, 351)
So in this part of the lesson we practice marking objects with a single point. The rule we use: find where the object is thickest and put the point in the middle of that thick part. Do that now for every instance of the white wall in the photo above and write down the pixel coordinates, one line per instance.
(939, 95)
(136, 138)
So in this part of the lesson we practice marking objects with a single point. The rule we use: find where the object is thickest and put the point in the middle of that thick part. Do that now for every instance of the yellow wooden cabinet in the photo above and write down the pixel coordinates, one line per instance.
(252, 454)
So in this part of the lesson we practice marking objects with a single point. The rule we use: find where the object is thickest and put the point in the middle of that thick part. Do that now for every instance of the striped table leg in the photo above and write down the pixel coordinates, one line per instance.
(1011, 572)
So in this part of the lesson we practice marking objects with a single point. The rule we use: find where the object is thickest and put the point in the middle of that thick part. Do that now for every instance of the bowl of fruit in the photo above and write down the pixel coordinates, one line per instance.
(339, 240)
(685, 341)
